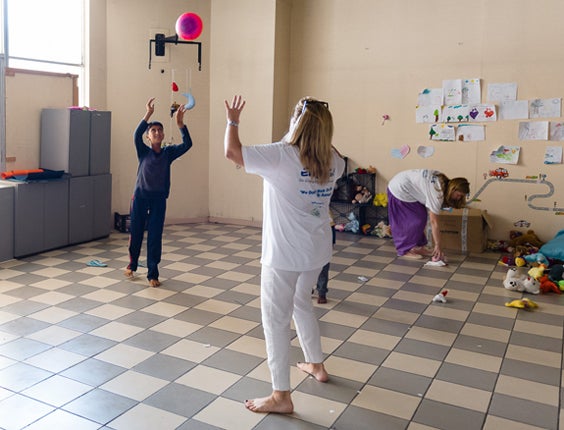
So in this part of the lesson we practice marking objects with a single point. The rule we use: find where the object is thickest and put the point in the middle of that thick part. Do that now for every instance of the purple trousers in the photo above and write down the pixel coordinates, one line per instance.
(407, 222)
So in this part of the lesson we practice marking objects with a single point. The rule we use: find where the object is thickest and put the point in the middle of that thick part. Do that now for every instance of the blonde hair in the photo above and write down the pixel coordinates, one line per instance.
(450, 186)
(311, 131)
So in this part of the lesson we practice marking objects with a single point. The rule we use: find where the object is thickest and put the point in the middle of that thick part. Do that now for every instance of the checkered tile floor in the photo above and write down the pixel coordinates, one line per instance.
(84, 348)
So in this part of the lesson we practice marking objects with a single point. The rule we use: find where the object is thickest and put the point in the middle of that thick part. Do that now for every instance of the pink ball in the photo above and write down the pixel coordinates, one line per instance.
(189, 26)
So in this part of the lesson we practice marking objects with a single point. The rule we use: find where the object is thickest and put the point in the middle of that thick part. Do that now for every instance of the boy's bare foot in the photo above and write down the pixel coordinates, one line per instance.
(154, 282)
(279, 402)
(317, 370)
(129, 273)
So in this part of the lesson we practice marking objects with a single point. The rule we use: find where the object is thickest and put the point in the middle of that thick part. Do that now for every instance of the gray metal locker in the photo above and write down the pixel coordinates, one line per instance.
(100, 142)
(65, 141)
(6, 222)
(81, 209)
(102, 206)
(40, 216)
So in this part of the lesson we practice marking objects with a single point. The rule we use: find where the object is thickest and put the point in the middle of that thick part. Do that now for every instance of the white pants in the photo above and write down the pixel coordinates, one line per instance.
(283, 295)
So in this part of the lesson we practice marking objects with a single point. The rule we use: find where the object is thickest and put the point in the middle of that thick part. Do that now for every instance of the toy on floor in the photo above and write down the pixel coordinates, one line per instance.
(537, 257)
(537, 272)
(548, 286)
(441, 297)
(530, 238)
(525, 303)
(516, 280)
(381, 230)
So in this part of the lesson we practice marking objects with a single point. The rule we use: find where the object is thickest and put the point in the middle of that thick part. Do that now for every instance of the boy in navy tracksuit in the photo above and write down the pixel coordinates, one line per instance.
(152, 187)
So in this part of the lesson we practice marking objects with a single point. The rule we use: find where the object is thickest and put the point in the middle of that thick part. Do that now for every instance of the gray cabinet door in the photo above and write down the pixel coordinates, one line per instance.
(102, 206)
(100, 138)
(81, 214)
(65, 141)
(6, 223)
(56, 219)
(28, 219)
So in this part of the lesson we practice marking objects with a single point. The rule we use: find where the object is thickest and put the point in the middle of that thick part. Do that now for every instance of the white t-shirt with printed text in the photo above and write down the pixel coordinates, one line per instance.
(296, 234)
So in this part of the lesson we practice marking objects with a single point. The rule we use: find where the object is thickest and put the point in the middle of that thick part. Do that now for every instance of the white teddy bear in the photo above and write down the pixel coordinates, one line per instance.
(515, 280)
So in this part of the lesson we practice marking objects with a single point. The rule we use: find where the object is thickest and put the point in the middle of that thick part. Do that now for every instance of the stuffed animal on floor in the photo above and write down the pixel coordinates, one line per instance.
(522, 304)
(382, 230)
(529, 238)
(537, 272)
(516, 280)
(548, 286)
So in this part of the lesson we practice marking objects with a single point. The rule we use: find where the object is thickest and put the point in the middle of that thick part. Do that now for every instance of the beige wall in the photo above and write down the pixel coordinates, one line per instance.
(366, 58)
(370, 58)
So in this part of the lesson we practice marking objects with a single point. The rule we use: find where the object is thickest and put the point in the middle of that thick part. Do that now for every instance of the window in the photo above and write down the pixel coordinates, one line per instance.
(46, 35)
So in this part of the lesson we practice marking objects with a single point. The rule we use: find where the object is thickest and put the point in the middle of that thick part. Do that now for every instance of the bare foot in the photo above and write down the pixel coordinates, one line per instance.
(154, 282)
(412, 255)
(129, 273)
(279, 402)
(317, 370)
(422, 250)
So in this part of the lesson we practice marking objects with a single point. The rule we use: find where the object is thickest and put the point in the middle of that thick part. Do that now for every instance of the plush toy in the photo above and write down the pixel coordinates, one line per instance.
(380, 199)
(548, 286)
(529, 238)
(531, 285)
(441, 297)
(522, 304)
(537, 257)
(537, 272)
(516, 280)
(353, 225)
(382, 230)
(556, 273)
(363, 195)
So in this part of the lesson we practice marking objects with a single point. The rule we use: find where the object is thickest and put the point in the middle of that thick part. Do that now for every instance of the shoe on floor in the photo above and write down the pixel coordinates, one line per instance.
(154, 282)
(322, 300)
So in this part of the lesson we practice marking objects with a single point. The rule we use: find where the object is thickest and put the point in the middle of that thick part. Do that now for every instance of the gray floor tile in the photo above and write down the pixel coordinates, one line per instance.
(151, 340)
(403, 382)
(363, 419)
(233, 361)
(20, 376)
(443, 416)
(100, 406)
(337, 389)
(164, 367)
(467, 376)
(525, 411)
(214, 336)
(530, 371)
(180, 399)
(422, 349)
(87, 345)
(93, 372)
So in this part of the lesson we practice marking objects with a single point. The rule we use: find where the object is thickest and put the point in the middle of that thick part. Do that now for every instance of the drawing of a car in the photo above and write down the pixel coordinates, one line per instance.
(499, 173)
(522, 223)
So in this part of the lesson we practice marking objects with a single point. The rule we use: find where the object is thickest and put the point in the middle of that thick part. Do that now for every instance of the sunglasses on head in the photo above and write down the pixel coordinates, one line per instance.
(313, 102)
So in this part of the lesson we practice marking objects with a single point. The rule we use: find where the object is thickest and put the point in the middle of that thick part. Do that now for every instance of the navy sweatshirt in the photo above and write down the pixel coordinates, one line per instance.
(153, 173)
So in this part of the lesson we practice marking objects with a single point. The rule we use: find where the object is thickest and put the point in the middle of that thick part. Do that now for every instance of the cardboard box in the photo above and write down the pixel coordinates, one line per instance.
(464, 230)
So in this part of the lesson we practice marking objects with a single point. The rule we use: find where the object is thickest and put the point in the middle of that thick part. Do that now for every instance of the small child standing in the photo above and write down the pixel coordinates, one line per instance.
(152, 188)
(323, 279)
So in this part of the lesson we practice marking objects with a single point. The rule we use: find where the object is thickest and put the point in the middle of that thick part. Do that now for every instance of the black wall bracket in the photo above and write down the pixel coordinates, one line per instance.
(161, 40)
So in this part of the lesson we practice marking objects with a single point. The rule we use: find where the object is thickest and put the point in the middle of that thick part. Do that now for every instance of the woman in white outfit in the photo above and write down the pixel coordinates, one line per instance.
(299, 174)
